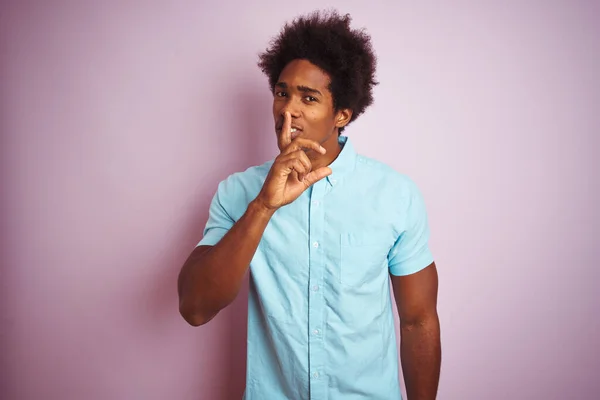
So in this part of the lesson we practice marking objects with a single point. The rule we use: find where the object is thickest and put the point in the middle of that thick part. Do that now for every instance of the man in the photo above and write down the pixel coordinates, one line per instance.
(322, 231)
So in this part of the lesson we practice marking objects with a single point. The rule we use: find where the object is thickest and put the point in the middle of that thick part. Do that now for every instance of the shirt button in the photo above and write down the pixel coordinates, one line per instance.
(315, 288)
(316, 332)
(315, 202)
(315, 375)
(316, 244)
(333, 181)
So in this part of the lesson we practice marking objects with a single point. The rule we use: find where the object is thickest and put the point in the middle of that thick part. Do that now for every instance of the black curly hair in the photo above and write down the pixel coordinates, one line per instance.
(326, 40)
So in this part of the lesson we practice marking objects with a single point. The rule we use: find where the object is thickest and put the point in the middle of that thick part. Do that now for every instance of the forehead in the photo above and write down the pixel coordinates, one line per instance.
(304, 73)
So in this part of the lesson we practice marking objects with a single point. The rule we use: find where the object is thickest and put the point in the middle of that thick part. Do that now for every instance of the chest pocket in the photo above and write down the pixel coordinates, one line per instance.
(363, 258)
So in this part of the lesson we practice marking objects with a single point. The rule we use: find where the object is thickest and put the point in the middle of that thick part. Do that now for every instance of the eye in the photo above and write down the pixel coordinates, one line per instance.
(310, 98)
(280, 94)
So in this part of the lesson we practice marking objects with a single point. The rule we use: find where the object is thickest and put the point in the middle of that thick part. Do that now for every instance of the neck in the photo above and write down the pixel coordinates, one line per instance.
(333, 148)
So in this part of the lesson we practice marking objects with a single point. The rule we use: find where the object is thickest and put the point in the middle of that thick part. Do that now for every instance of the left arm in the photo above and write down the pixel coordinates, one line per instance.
(420, 348)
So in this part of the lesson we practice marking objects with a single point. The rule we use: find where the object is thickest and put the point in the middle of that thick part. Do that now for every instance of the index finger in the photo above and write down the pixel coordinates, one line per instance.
(285, 136)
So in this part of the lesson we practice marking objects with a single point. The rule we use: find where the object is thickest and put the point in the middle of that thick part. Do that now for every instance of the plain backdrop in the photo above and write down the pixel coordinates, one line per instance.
(119, 118)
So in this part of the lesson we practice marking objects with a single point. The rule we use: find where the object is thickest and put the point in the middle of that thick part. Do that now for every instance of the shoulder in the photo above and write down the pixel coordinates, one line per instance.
(245, 181)
(385, 177)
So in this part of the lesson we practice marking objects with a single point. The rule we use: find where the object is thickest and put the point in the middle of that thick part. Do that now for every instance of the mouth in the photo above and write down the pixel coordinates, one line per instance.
(295, 131)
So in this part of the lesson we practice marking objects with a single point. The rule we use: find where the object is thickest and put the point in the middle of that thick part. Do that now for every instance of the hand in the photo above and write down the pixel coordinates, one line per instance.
(291, 173)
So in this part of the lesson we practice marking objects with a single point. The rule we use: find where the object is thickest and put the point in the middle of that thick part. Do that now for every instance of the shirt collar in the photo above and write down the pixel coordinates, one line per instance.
(344, 163)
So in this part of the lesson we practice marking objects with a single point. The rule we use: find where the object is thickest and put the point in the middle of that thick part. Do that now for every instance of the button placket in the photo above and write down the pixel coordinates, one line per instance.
(316, 301)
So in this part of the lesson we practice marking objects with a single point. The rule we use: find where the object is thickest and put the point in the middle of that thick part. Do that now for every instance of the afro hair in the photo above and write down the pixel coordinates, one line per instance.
(326, 40)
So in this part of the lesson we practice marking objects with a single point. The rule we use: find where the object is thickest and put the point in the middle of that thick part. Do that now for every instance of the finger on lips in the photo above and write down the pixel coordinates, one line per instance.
(293, 153)
(288, 145)
(286, 132)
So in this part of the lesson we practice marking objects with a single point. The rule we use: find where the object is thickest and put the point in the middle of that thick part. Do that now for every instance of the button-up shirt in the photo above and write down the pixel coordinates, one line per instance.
(320, 322)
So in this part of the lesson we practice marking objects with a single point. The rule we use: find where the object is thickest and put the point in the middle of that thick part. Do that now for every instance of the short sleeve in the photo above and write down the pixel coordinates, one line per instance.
(219, 218)
(410, 252)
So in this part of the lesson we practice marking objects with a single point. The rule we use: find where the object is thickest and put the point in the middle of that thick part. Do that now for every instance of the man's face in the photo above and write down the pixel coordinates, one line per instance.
(302, 90)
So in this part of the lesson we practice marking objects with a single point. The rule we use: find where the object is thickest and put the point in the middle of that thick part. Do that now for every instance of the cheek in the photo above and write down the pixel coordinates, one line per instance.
(318, 117)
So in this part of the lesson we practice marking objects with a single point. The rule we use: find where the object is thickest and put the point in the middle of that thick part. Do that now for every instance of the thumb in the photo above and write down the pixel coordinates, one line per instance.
(316, 175)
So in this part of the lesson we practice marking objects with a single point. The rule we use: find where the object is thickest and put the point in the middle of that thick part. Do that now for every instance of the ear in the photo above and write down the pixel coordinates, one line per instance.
(342, 117)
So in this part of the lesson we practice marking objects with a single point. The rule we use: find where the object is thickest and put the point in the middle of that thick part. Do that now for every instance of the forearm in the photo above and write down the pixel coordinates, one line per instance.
(420, 352)
(210, 280)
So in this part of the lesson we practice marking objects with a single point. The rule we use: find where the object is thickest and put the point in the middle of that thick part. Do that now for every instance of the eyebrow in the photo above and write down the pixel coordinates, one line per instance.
(301, 88)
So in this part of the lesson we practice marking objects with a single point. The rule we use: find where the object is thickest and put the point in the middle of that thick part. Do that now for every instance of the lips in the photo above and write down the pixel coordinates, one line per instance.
(296, 130)
(294, 127)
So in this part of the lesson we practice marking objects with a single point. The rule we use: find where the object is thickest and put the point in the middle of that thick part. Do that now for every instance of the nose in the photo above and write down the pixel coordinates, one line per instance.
(292, 107)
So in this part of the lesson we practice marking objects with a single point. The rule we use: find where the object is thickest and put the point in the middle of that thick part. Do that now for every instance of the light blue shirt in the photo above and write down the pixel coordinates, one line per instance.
(320, 322)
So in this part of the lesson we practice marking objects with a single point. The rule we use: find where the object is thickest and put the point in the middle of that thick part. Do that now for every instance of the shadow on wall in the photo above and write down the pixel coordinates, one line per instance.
(252, 134)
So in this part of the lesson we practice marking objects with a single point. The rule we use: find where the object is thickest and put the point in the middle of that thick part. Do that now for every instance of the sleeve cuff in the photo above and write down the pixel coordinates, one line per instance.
(212, 237)
(413, 264)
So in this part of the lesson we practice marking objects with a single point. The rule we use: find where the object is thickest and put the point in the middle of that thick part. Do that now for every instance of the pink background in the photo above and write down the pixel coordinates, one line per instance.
(119, 119)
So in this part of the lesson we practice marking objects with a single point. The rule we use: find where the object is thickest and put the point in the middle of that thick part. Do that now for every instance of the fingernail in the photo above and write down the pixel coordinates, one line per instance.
(323, 150)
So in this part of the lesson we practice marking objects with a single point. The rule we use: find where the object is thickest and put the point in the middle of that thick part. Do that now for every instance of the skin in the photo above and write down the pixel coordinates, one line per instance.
(211, 277)
(420, 346)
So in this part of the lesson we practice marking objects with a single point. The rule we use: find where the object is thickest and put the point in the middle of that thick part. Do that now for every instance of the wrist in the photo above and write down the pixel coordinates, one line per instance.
(256, 206)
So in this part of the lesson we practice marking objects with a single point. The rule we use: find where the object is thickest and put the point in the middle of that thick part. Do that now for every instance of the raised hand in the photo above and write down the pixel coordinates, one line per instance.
(291, 173)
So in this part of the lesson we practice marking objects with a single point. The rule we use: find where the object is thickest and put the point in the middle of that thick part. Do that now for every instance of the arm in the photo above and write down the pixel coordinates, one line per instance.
(420, 348)
(211, 277)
